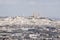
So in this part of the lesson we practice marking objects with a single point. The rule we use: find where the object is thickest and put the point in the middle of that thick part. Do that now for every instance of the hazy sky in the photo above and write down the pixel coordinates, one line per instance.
(48, 8)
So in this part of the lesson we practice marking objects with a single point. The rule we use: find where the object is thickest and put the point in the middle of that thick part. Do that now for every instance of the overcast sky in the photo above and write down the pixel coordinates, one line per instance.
(47, 8)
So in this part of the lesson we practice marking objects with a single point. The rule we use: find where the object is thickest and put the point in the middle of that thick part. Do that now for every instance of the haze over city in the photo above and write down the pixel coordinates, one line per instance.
(47, 8)
(29, 20)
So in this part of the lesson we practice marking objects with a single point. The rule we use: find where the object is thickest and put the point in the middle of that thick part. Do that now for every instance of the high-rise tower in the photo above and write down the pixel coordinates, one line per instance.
(35, 15)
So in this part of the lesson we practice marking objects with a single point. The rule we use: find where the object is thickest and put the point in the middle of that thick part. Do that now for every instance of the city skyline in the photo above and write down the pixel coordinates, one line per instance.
(47, 8)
